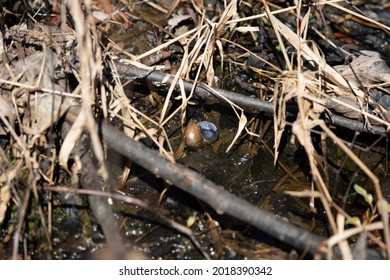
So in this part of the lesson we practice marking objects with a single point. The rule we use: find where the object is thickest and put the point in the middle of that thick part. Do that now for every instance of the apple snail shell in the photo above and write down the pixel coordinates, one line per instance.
(198, 135)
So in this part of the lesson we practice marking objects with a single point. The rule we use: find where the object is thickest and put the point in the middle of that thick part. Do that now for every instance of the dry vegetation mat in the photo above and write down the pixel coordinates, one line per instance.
(84, 80)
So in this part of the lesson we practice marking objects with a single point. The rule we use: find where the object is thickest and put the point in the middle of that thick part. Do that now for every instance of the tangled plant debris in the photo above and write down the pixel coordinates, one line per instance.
(95, 97)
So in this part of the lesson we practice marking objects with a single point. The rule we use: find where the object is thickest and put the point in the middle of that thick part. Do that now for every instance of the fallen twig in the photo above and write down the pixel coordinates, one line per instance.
(248, 103)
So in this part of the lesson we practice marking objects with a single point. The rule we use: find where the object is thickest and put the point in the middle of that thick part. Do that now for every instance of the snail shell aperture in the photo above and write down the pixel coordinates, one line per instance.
(197, 135)
(208, 131)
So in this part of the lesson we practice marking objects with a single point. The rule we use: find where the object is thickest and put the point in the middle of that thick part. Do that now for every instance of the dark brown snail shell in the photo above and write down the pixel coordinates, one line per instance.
(198, 135)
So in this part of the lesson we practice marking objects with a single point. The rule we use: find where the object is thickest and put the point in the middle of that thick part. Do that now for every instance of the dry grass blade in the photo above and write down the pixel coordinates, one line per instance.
(5, 197)
(241, 125)
(172, 8)
(71, 138)
(90, 71)
(281, 11)
(5, 191)
(345, 234)
(229, 13)
(42, 89)
(120, 103)
(254, 55)
(131, 118)
(343, 244)
(180, 72)
(381, 25)
(384, 210)
(163, 46)
(17, 139)
(279, 104)
(278, 32)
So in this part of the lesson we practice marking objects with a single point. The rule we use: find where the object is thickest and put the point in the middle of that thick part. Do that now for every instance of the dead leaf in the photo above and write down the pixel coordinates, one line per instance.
(245, 29)
(7, 110)
(39, 68)
(177, 19)
(369, 68)
(71, 139)
(241, 126)
(47, 109)
(5, 190)
(5, 196)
